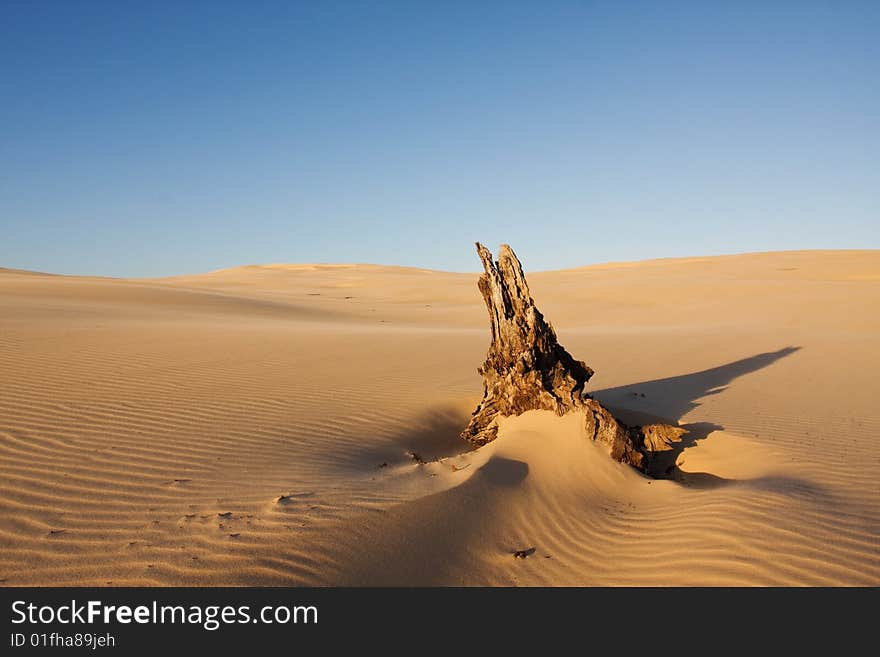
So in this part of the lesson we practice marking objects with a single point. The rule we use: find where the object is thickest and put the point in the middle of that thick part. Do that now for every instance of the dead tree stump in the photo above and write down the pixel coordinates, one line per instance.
(527, 369)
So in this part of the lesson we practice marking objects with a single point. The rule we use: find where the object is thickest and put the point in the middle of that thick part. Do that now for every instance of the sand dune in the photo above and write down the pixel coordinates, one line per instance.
(257, 426)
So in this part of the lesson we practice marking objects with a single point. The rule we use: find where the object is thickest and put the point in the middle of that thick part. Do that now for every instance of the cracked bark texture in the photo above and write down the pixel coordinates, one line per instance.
(527, 369)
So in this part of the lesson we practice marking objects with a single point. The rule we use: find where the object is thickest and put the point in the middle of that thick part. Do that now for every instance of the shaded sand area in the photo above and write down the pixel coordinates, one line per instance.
(266, 426)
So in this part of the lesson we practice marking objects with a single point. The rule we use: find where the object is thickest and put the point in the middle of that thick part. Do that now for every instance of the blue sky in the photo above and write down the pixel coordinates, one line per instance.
(141, 139)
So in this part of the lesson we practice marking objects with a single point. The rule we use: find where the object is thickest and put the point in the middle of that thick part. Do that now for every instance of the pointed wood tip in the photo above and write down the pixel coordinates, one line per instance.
(505, 252)
(485, 257)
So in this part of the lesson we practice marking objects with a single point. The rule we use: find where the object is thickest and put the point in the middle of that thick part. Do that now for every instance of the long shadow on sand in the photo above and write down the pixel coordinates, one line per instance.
(679, 395)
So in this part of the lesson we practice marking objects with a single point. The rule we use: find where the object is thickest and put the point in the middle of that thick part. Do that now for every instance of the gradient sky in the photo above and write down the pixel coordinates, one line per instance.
(154, 138)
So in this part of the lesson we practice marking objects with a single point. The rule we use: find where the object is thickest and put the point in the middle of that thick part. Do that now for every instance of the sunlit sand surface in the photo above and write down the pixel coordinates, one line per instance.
(298, 424)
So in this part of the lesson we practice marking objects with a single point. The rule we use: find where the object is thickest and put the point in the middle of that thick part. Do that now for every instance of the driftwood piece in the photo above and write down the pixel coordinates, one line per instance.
(527, 369)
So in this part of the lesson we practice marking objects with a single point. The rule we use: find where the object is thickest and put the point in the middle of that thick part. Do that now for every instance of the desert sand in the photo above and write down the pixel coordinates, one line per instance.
(257, 426)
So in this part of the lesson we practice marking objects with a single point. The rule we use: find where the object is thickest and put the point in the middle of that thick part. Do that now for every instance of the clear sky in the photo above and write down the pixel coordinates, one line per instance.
(153, 138)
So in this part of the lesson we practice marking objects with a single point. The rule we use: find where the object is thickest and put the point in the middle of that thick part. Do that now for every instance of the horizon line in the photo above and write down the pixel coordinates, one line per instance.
(607, 263)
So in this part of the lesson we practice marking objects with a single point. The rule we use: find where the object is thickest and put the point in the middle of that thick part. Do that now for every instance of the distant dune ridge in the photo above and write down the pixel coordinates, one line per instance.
(298, 424)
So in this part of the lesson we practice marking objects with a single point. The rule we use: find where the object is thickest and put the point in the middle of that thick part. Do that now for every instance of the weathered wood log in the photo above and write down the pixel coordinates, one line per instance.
(527, 369)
